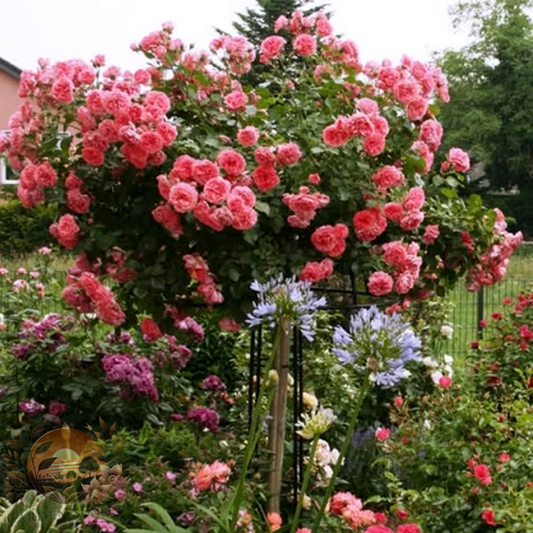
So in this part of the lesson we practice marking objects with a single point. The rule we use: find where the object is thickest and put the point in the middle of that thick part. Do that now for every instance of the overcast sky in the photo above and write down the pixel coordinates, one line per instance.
(65, 29)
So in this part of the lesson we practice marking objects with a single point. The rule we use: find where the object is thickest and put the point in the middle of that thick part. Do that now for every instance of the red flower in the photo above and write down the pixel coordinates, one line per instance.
(488, 516)
(150, 330)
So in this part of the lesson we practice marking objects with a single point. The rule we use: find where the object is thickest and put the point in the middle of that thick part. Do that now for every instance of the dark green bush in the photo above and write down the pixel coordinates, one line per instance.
(23, 230)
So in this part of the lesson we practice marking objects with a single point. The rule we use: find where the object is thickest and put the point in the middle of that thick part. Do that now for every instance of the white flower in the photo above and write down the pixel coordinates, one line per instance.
(310, 400)
(334, 456)
(318, 422)
(327, 472)
(446, 331)
(428, 424)
(448, 359)
(435, 376)
(429, 361)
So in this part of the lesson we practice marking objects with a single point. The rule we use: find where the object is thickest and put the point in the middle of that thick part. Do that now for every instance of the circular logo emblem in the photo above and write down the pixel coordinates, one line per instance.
(62, 459)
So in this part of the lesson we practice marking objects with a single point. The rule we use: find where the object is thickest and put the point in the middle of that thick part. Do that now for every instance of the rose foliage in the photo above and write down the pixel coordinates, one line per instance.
(178, 185)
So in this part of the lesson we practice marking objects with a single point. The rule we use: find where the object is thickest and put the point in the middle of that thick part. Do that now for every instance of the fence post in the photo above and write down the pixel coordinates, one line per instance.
(480, 311)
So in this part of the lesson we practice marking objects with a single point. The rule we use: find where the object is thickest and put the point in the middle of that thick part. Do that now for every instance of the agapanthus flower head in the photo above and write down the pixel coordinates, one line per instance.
(281, 299)
(382, 343)
(315, 424)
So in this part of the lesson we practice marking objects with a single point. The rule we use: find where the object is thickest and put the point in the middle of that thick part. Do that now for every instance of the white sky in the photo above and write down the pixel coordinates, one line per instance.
(66, 29)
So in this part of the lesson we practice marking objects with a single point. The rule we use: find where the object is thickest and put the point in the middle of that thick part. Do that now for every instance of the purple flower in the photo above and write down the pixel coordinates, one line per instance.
(382, 343)
(21, 351)
(105, 527)
(57, 408)
(120, 495)
(213, 383)
(31, 407)
(205, 418)
(171, 476)
(177, 417)
(285, 299)
(137, 487)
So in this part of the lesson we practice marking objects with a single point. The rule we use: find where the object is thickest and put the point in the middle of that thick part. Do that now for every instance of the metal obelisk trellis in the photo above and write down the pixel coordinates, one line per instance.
(297, 366)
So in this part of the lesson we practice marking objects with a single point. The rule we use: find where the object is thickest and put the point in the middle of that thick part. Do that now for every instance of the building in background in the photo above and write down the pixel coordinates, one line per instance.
(9, 101)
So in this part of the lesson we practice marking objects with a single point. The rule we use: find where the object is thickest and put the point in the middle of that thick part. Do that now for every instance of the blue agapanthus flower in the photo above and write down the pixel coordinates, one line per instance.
(382, 343)
(281, 299)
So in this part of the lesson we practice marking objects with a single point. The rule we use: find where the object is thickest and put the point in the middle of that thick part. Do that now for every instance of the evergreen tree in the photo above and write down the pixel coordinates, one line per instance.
(257, 24)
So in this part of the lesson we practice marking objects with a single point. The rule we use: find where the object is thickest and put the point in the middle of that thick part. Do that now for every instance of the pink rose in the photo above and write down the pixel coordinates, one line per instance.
(288, 154)
(459, 159)
(183, 197)
(374, 144)
(203, 170)
(431, 133)
(248, 136)
(236, 101)
(388, 176)
(404, 283)
(416, 110)
(431, 234)
(412, 220)
(232, 162)
(78, 202)
(395, 253)
(182, 168)
(369, 224)
(330, 240)
(66, 231)
(216, 190)
(265, 177)
(406, 91)
(414, 199)
(271, 48)
(335, 136)
(305, 45)
(315, 272)
(244, 219)
(382, 434)
(380, 283)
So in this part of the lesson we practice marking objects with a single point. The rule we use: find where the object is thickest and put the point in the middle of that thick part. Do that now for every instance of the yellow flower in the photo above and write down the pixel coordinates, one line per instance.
(318, 422)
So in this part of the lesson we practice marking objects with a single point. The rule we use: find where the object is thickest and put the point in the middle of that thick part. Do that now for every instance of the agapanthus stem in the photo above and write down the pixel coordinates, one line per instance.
(305, 484)
(343, 452)
(254, 428)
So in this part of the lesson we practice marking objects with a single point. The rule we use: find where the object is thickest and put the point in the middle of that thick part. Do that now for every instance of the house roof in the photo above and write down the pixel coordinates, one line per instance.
(10, 69)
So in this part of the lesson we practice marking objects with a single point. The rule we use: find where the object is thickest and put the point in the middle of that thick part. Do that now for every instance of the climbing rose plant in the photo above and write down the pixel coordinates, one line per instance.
(180, 184)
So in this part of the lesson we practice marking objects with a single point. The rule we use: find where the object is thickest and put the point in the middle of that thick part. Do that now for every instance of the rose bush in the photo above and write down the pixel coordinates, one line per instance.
(180, 185)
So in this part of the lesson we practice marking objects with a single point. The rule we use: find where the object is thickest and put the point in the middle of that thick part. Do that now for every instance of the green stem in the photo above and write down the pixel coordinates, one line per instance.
(342, 455)
(252, 440)
(305, 484)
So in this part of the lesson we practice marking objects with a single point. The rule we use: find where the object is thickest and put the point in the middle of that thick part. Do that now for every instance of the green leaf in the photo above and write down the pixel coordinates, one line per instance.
(262, 207)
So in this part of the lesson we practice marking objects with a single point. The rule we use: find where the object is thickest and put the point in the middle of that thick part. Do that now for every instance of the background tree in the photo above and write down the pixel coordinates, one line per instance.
(257, 24)
(490, 86)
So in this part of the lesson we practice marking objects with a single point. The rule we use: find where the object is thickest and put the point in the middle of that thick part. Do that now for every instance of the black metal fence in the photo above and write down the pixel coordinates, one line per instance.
(470, 308)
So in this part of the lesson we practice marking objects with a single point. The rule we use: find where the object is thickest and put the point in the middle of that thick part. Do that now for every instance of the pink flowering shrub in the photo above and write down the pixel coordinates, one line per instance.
(179, 159)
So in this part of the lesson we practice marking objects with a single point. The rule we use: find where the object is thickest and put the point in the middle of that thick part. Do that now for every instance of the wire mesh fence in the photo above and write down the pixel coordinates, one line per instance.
(470, 308)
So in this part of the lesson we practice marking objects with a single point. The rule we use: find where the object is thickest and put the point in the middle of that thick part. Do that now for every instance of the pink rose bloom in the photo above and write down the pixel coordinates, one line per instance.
(459, 159)
(57, 408)
(374, 144)
(288, 154)
(167, 131)
(369, 224)
(63, 90)
(31, 407)
(330, 240)
(44, 250)
(368, 106)
(232, 162)
(227, 323)
(404, 283)
(323, 26)
(264, 156)
(417, 109)
(216, 190)
(265, 178)
(395, 253)
(380, 283)
(342, 500)
(236, 101)
(406, 91)
(382, 434)
(360, 124)
(314, 179)
(248, 136)
(151, 142)
(183, 197)
(45, 175)
(305, 45)
(281, 23)
(412, 220)
(203, 170)
(388, 176)
(315, 272)
(271, 48)
(431, 133)
(445, 382)
(244, 219)
(431, 234)
(393, 211)
(78, 202)
(66, 231)
(274, 521)
(414, 199)
(335, 136)
(241, 196)
(169, 219)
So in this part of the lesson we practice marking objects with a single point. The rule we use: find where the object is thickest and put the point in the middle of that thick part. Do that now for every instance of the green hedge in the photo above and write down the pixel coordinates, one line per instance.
(23, 230)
